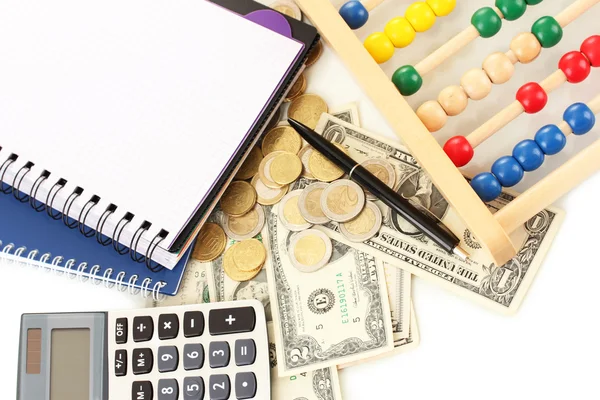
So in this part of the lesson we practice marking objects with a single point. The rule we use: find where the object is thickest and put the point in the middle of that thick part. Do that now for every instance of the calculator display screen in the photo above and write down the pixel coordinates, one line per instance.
(70, 364)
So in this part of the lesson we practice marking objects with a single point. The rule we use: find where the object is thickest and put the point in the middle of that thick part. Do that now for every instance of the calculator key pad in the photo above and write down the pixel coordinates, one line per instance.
(215, 351)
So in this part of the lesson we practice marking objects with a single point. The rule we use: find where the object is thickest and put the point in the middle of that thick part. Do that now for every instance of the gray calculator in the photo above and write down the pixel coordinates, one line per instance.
(215, 351)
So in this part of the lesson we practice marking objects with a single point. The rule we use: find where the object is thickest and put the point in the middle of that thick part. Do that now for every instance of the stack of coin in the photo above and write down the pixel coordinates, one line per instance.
(244, 260)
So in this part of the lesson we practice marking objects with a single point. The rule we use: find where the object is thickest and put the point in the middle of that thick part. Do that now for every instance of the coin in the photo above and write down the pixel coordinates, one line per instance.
(342, 200)
(304, 157)
(210, 243)
(250, 166)
(307, 109)
(309, 203)
(247, 226)
(365, 225)
(310, 250)
(281, 138)
(314, 54)
(238, 198)
(288, 8)
(264, 172)
(265, 195)
(249, 255)
(297, 88)
(383, 170)
(285, 168)
(231, 269)
(322, 168)
(289, 214)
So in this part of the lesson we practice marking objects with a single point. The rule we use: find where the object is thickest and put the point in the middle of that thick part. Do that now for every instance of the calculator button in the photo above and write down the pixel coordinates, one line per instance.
(219, 387)
(168, 326)
(168, 358)
(121, 331)
(245, 385)
(245, 352)
(143, 329)
(141, 390)
(231, 320)
(168, 389)
(193, 323)
(142, 360)
(218, 356)
(193, 356)
(193, 388)
(121, 362)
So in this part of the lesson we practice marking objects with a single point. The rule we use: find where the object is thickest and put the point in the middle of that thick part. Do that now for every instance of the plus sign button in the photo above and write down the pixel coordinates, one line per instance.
(231, 320)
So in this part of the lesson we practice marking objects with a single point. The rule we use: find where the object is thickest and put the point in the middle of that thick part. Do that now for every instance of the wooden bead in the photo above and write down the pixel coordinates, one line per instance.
(432, 115)
(420, 16)
(498, 68)
(400, 32)
(355, 14)
(441, 8)
(379, 46)
(476, 84)
(526, 47)
(453, 100)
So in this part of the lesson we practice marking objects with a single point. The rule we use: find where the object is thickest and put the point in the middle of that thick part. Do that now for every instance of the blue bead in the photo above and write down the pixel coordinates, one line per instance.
(528, 154)
(486, 186)
(580, 118)
(508, 171)
(550, 139)
(355, 14)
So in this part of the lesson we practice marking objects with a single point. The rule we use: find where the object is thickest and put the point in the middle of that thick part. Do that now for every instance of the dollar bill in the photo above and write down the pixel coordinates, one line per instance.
(193, 288)
(401, 245)
(347, 113)
(320, 384)
(399, 289)
(338, 314)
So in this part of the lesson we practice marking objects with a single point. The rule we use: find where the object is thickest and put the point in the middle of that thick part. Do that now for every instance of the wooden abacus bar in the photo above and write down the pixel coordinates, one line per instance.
(573, 67)
(476, 84)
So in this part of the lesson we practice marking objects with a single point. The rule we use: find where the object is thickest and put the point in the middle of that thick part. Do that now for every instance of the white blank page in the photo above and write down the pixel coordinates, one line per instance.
(141, 102)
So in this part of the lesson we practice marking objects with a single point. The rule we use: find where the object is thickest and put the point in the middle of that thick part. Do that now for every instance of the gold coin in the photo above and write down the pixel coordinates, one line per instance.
(210, 243)
(231, 269)
(323, 169)
(264, 172)
(304, 157)
(288, 8)
(315, 54)
(266, 195)
(250, 166)
(285, 168)
(238, 199)
(297, 88)
(281, 138)
(249, 255)
(307, 109)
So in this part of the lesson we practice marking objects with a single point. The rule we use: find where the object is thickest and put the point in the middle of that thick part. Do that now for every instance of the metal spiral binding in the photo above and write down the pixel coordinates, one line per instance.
(79, 223)
(70, 269)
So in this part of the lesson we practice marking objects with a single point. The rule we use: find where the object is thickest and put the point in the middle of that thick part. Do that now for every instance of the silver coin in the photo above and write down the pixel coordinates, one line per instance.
(289, 213)
(365, 225)
(309, 203)
(304, 155)
(245, 227)
(310, 250)
(287, 7)
(383, 170)
(342, 200)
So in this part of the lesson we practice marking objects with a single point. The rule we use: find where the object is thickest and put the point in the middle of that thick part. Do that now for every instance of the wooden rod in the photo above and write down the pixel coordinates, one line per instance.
(571, 13)
(553, 81)
(371, 4)
(549, 189)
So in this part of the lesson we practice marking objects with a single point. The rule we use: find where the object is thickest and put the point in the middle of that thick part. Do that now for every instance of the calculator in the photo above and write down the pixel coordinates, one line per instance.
(215, 351)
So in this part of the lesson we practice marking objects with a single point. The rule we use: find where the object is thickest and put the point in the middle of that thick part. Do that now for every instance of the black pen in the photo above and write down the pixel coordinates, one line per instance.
(433, 229)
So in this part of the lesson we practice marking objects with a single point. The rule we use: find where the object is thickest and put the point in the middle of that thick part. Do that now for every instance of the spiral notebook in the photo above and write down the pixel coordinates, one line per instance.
(127, 118)
(36, 239)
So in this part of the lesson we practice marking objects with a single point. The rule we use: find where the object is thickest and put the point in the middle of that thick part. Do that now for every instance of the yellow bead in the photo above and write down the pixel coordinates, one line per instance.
(420, 16)
(400, 32)
(441, 8)
(379, 46)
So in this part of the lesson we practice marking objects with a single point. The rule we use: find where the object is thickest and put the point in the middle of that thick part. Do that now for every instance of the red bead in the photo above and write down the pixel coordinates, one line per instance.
(532, 97)
(591, 48)
(459, 150)
(575, 66)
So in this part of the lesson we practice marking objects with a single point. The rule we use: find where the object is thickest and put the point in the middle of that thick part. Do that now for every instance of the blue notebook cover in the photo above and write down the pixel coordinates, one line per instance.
(23, 227)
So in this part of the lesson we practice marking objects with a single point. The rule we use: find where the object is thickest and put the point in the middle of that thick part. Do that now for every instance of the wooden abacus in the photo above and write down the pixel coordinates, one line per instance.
(491, 230)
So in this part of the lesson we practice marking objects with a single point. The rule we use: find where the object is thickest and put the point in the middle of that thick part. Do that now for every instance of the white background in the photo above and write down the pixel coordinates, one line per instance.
(549, 349)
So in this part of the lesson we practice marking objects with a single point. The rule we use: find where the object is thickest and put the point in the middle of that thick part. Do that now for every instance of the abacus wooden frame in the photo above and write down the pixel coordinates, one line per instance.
(492, 230)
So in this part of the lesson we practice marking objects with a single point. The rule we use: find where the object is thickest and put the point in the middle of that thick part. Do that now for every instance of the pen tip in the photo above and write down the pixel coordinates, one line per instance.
(461, 253)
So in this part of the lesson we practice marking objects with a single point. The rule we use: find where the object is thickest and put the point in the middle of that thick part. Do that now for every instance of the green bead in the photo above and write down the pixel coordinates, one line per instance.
(547, 31)
(512, 9)
(486, 21)
(533, 2)
(407, 80)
